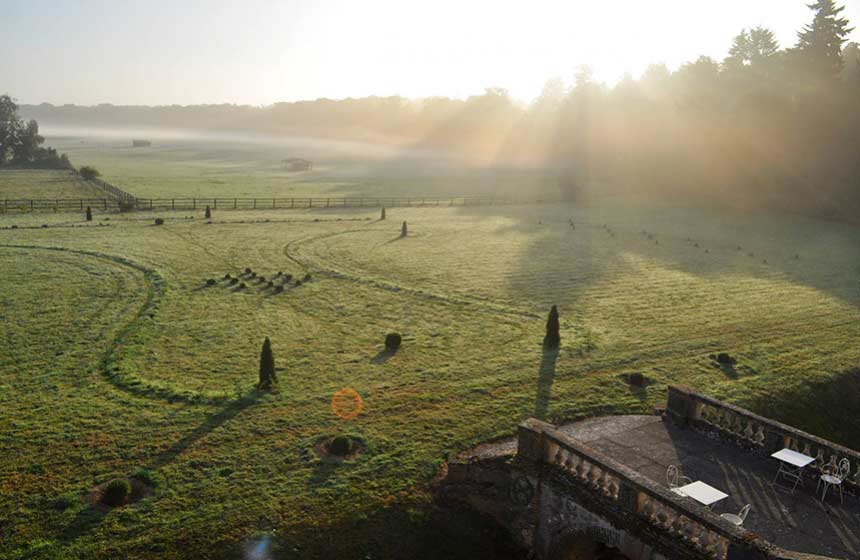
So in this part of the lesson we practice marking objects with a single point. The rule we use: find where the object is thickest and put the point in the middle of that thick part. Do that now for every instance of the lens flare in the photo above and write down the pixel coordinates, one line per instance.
(346, 404)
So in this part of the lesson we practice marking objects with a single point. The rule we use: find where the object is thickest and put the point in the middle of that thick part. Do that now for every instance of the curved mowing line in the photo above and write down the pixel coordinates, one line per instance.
(109, 363)
(328, 270)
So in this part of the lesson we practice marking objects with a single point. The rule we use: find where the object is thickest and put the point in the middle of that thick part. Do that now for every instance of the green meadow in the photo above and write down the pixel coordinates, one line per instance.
(119, 359)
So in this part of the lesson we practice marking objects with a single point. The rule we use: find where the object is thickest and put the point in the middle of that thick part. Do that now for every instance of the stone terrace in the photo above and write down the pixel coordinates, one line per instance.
(796, 521)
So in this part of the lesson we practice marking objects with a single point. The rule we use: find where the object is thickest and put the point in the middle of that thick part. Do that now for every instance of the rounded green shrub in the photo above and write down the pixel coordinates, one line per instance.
(392, 341)
(341, 446)
(116, 492)
(159, 221)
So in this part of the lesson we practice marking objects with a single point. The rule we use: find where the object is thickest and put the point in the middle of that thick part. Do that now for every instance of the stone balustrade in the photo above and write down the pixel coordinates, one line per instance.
(631, 495)
(757, 432)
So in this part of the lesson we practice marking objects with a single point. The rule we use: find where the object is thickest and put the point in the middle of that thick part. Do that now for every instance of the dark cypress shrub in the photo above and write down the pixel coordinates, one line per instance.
(234, 281)
(208, 213)
(210, 282)
(247, 271)
(227, 276)
(267, 367)
(403, 230)
(159, 221)
(261, 278)
(242, 286)
(279, 289)
(270, 284)
(89, 214)
(341, 446)
(307, 278)
(298, 282)
(553, 337)
(287, 277)
(392, 341)
(116, 492)
(382, 214)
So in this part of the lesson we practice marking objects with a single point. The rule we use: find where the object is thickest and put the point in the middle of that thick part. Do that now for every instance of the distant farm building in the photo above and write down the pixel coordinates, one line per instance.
(140, 143)
(297, 164)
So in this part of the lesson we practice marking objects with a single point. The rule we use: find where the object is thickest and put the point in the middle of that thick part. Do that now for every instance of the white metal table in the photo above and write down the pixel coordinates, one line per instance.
(791, 464)
(702, 493)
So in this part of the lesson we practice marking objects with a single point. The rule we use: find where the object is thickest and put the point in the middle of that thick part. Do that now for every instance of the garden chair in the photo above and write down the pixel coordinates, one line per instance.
(739, 518)
(835, 479)
(675, 479)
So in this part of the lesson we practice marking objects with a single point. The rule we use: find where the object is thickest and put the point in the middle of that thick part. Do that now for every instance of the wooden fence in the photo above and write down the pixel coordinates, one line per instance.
(125, 201)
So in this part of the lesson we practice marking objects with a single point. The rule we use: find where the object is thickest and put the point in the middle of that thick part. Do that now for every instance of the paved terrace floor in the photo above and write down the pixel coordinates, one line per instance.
(794, 521)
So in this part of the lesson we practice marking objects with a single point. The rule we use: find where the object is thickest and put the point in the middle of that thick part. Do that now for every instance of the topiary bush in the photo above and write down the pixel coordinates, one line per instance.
(227, 276)
(267, 367)
(89, 214)
(341, 446)
(210, 282)
(234, 281)
(159, 221)
(116, 492)
(279, 289)
(392, 341)
(553, 336)
(248, 271)
(307, 278)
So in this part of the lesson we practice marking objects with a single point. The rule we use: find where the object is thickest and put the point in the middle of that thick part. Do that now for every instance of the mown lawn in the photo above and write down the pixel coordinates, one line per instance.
(118, 357)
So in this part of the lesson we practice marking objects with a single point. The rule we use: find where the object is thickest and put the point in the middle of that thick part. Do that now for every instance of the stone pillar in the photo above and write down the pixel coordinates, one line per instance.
(679, 406)
(530, 440)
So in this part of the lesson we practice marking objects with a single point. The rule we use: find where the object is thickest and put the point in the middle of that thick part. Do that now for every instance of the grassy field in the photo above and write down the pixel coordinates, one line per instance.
(117, 358)
(38, 183)
(224, 167)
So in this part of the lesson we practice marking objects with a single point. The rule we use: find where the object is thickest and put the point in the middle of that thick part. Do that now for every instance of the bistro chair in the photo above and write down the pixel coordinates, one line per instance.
(835, 479)
(739, 518)
(675, 479)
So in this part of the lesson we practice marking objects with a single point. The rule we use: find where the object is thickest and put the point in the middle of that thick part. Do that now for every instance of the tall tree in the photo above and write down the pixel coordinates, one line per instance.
(819, 45)
(267, 367)
(9, 126)
(28, 141)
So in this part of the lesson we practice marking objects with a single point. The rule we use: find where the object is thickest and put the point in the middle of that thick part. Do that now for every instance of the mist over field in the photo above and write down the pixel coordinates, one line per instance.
(390, 280)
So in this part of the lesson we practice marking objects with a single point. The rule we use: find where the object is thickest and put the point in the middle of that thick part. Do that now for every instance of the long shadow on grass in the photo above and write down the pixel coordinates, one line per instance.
(214, 421)
(546, 375)
(91, 516)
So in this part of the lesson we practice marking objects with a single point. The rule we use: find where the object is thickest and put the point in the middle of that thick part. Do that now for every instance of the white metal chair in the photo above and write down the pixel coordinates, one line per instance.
(675, 479)
(835, 479)
(739, 518)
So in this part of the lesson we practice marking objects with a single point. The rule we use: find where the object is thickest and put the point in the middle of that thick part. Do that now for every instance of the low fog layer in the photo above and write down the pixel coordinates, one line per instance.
(765, 126)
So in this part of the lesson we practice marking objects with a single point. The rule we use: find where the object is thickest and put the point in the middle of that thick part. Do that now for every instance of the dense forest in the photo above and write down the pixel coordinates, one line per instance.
(767, 125)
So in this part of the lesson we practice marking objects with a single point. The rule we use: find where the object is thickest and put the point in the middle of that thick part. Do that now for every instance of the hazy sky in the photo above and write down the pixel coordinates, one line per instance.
(262, 51)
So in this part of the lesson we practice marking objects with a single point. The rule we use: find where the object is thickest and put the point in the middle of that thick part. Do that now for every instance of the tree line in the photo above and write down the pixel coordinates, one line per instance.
(21, 143)
(767, 125)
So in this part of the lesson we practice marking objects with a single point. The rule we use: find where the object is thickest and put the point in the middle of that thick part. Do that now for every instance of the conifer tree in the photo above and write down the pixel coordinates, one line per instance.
(89, 214)
(403, 230)
(553, 337)
(208, 213)
(819, 44)
(267, 367)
